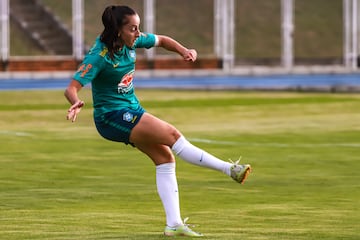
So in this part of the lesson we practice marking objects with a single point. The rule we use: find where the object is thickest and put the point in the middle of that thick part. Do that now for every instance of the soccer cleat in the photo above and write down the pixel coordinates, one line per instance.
(239, 172)
(182, 230)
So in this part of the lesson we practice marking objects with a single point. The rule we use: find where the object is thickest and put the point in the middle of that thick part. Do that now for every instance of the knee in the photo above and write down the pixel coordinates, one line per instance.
(175, 135)
(163, 155)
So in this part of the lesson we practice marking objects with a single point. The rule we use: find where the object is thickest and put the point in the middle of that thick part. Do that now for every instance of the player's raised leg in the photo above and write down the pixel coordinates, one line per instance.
(190, 153)
(152, 129)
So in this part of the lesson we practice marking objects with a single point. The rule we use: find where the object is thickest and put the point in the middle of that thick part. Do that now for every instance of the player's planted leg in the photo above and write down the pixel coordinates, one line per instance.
(181, 230)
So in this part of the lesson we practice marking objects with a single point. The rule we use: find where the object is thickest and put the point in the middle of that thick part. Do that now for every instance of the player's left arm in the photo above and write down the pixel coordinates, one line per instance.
(172, 45)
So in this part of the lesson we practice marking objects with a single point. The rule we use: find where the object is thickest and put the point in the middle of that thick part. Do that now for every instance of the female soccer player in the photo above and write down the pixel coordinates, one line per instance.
(118, 115)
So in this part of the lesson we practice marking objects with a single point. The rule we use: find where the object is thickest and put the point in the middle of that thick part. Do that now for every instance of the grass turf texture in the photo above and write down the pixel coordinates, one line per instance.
(60, 180)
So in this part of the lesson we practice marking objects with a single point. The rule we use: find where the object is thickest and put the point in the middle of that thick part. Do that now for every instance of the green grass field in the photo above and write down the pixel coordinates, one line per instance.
(60, 180)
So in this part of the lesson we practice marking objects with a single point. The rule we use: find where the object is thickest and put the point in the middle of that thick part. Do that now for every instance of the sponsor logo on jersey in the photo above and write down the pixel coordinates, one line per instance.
(125, 85)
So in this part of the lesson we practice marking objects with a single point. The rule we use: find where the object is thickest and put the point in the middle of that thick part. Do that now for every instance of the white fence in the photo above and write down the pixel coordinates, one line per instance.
(224, 23)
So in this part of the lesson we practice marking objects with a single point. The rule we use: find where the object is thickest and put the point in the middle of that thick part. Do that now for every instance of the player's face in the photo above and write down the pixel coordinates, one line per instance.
(130, 31)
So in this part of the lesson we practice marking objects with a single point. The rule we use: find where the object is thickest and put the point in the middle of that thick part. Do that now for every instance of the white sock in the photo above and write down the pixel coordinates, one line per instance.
(168, 191)
(192, 154)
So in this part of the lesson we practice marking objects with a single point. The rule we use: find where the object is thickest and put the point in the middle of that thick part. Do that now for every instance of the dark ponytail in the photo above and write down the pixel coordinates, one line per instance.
(113, 18)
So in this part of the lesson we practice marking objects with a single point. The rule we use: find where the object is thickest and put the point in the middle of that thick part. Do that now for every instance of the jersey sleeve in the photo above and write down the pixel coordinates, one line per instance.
(88, 69)
(146, 40)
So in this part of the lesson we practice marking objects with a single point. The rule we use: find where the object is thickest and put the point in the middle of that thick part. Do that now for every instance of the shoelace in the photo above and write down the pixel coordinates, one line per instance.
(187, 224)
(187, 227)
(236, 162)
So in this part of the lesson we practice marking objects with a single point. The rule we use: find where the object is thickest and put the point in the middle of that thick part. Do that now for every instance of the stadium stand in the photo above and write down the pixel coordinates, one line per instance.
(41, 26)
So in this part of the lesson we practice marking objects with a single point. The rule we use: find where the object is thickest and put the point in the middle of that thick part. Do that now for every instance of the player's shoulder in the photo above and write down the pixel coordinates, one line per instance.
(146, 40)
(96, 53)
(144, 35)
(98, 49)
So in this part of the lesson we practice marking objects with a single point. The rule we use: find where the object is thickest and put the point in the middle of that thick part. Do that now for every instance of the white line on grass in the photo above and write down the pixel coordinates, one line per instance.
(213, 141)
(14, 133)
(279, 145)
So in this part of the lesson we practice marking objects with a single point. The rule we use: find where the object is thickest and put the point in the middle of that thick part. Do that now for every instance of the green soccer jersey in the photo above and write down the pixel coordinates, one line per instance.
(112, 79)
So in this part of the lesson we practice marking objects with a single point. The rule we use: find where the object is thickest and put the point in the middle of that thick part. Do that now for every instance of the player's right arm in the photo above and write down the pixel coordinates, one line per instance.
(71, 94)
(86, 73)
(172, 45)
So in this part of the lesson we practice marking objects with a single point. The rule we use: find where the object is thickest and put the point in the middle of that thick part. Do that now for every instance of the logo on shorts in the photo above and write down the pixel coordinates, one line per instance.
(129, 117)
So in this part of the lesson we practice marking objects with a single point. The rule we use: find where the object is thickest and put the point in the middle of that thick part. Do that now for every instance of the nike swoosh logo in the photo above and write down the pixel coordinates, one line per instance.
(115, 65)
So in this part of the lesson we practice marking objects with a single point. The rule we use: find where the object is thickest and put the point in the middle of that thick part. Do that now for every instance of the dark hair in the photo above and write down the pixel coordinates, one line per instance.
(113, 18)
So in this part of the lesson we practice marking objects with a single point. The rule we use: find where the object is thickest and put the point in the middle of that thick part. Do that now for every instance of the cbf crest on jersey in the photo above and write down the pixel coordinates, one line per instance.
(126, 84)
(132, 54)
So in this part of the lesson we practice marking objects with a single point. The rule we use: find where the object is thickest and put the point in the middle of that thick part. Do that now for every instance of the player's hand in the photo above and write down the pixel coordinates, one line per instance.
(74, 110)
(190, 55)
